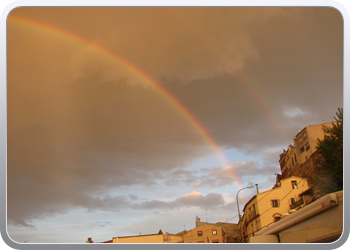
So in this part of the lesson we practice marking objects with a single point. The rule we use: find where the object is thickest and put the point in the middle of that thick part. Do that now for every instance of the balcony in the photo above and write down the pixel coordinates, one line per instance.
(297, 203)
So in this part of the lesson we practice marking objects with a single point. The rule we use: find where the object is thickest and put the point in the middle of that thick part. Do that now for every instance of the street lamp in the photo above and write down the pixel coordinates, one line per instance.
(239, 215)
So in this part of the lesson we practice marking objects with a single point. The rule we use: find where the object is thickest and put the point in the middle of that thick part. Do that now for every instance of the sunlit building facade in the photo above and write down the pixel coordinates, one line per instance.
(270, 206)
(205, 234)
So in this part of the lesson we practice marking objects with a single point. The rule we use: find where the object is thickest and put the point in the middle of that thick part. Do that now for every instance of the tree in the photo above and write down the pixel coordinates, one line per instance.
(329, 166)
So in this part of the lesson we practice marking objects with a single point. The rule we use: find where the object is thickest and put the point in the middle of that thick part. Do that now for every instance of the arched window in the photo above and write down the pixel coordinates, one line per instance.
(277, 217)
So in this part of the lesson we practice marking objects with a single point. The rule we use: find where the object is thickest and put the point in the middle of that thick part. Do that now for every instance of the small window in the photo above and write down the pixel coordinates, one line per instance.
(277, 218)
(302, 149)
(275, 203)
(307, 146)
(215, 232)
(294, 185)
(200, 233)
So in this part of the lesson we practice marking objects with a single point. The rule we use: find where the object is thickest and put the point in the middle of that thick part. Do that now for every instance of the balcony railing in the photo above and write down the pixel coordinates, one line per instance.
(297, 203)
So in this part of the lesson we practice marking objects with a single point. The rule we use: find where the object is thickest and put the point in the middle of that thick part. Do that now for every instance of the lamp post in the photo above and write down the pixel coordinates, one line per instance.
(239, 214)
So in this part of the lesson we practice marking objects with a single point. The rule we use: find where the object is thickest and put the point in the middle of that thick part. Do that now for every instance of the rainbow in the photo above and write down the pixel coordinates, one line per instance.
(208, 41)
(139, 73)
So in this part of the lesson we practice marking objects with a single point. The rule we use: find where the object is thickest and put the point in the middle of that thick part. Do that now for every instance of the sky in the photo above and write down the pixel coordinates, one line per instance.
(128, 120)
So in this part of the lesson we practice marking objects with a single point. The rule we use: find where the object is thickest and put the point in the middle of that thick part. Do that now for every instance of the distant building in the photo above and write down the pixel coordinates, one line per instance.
(270, 206)
(230, 229)
(288, 160)
(205, 234)
(299, 159)
(89, 240)
(305, 143)
(146, 238)
(306, 140)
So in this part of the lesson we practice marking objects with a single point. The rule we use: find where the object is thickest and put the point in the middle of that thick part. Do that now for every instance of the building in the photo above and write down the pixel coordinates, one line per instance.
(318, 222)
(89, 240)
(306, 140)
(145, 238)
(205, 234)
(288, 161)
(230, 229)
(304, 148)
(267, 207)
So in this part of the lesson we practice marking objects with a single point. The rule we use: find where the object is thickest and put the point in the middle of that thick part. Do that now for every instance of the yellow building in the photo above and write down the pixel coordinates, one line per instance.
(318, 222)
(230, 229)
(305, 143)
(306, 140)
(146, 238)
(270, 206)
(205, 234)
(288, 160)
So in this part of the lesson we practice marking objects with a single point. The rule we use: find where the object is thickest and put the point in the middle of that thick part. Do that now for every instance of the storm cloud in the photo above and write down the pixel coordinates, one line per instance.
(83, 124)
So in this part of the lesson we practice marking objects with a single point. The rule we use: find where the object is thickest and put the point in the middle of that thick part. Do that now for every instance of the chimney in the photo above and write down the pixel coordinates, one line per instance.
(257, 190)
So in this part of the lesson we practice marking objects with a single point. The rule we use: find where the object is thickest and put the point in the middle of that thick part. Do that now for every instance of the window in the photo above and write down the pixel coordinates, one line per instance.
(302, 149)
(215, 232)
(275, 203)
(307, 146)
(200, 233)
(277, 217)
(294, 185)
(295, 158)
(292, 201)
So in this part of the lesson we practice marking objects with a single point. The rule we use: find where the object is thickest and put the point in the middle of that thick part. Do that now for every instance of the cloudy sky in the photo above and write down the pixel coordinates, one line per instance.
(124, 121)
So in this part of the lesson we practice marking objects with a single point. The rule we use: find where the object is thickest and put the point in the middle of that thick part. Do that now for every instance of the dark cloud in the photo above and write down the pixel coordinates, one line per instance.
(80, 124)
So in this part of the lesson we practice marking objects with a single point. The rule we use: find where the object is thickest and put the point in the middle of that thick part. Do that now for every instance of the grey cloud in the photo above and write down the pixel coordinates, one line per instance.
(220, 176)
(101, 224)
(79, 124)
(192, 199)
